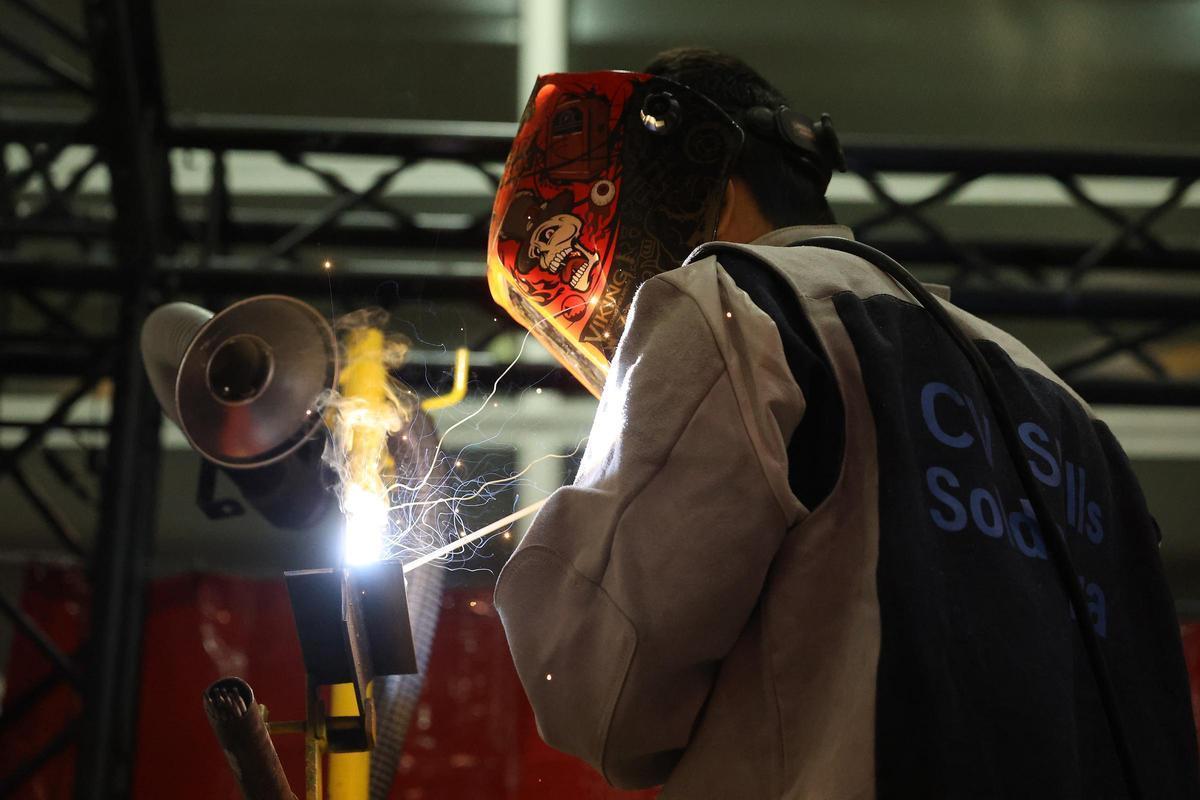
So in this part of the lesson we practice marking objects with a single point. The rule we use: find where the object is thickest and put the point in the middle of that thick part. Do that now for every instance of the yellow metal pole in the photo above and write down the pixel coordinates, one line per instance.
(364, 380)
(349, 773)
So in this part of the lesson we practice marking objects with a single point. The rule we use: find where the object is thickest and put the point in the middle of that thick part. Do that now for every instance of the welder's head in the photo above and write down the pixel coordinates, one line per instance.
(615, 177)
(788, 181)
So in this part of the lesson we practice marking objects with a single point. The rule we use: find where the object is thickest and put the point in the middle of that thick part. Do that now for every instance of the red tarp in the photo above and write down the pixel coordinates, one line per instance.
(473, 735)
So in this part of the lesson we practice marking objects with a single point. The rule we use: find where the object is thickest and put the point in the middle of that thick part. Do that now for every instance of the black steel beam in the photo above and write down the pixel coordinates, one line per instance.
(60, 526)
(132, 130)
(410, 140)
(1093, 304)
(66, 426)
(251, 228)
(36, 125)
(1037, 255)
(932, 156)
(47, 362)
(1138, 393)
(239, 277)
(483, 142)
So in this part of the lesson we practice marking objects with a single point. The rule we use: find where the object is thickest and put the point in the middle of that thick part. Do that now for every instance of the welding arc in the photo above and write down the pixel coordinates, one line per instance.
(474, 537)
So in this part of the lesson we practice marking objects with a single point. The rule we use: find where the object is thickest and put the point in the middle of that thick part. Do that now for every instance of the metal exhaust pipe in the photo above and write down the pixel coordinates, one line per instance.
(238, 722)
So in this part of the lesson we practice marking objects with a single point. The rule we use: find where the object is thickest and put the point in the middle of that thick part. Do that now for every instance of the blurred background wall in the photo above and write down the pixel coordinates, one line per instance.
(209, 151)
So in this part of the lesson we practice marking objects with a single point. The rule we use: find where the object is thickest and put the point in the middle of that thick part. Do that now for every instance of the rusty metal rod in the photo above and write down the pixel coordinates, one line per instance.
(238, 723)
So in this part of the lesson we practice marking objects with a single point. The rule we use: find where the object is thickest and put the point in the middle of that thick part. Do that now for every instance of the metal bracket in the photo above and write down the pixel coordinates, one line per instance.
(206, 491)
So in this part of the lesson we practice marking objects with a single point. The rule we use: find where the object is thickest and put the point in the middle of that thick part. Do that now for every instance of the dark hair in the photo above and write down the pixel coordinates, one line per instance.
(785, 192)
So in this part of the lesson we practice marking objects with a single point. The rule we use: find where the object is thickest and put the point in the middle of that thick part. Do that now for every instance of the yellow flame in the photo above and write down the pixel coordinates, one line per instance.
(367, 413)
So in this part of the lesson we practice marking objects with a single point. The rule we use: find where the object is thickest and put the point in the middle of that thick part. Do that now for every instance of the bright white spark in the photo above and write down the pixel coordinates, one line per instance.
(476, 536)
(414, 533)
(366, 525)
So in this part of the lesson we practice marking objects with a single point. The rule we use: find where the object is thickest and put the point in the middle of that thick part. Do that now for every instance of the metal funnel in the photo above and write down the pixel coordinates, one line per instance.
(247, 386)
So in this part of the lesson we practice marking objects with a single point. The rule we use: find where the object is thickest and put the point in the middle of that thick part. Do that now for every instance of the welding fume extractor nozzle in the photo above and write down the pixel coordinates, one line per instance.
(243, 386)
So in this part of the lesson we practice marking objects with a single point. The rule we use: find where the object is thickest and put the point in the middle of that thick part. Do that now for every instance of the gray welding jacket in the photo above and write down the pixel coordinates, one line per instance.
(678, 615)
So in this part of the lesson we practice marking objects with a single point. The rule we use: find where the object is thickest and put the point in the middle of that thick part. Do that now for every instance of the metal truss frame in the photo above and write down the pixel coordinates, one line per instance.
(126, 121)
(236, 250)
(140, 246)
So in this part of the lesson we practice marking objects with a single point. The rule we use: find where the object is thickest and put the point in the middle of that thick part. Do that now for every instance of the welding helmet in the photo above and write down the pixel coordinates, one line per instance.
(613, 178)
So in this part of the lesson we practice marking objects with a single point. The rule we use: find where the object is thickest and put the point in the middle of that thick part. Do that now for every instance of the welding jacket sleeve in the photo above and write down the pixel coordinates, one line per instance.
(634, 583)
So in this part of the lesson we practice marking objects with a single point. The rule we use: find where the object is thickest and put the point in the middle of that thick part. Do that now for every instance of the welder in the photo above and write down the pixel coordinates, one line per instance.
(832, 537)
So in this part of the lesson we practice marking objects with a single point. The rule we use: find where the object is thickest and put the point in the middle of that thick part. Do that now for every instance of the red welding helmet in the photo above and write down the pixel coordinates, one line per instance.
(613, 178)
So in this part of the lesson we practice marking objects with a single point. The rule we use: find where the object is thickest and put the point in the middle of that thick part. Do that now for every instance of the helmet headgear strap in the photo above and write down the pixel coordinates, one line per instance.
(814, 146)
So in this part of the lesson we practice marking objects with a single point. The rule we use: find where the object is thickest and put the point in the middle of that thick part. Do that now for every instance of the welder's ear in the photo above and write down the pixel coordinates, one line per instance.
(728, 203)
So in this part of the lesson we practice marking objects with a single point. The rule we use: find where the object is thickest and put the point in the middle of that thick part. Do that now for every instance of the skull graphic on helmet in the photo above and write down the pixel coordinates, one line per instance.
(550, 233)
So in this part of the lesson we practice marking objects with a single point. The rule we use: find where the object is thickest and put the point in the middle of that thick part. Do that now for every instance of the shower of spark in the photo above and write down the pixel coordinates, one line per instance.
(471, 538)
(403, 496)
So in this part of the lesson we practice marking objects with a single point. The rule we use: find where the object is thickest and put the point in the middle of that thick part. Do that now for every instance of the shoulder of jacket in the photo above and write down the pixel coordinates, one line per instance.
(813, 272)
(716, 295)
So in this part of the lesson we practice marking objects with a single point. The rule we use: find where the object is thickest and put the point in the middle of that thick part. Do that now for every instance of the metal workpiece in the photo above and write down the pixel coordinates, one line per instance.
(353, 622)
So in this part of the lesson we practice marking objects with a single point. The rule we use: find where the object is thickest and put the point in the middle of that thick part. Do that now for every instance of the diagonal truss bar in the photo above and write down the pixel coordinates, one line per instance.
(19, 706)
(327, 216)
(1128, 227)
(53, 316)
(60, 526)
(1119, 344)
(336, 186)
(1136, 348)
(58, 198)
(41, 154)
(65, 474)
(30, 766)
(35, 435)
(1074, 188)
(955, 184)
(58, 71)
(51, 23)
(39, 638)
(968, 261)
